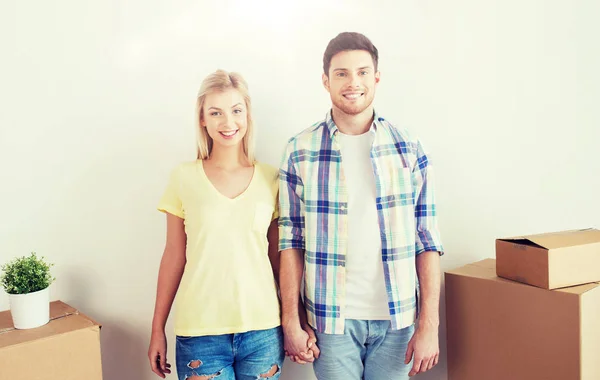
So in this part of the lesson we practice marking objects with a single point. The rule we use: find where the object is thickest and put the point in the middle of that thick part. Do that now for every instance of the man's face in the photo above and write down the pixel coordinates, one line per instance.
(352, 81)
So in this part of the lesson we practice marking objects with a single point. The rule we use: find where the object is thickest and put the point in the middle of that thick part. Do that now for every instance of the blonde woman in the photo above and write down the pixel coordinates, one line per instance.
(220, 257)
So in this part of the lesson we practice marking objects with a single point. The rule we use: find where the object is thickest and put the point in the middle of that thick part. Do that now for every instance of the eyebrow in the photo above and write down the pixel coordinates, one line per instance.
(218, 109)
(360, 68)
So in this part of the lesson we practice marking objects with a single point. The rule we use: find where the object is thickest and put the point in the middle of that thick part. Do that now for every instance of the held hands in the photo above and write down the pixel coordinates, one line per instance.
(424, 349)
(300, 344)
(157, 354)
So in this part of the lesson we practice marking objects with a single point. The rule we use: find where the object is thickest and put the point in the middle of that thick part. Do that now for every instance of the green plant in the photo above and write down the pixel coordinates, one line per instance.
(26, 274)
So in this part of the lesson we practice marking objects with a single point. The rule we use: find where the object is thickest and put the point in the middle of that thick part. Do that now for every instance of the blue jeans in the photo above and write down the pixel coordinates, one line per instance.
(244, 356)
(367, 350)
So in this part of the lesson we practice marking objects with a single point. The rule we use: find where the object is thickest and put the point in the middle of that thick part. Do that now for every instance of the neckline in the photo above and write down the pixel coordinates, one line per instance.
(220, 194)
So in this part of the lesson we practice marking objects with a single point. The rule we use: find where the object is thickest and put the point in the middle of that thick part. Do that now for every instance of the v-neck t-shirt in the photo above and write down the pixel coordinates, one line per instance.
(227, 284)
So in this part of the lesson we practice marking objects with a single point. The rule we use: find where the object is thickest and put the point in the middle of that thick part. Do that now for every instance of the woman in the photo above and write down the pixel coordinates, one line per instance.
(221, 252)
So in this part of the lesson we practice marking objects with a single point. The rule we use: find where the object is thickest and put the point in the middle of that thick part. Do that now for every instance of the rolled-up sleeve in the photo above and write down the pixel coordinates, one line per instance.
(291, 203)
(427, 233)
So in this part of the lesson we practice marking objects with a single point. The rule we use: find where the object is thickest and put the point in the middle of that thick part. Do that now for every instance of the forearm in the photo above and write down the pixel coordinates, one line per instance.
(169, 277)
(429, 273)
(292, 268)
(274, 254)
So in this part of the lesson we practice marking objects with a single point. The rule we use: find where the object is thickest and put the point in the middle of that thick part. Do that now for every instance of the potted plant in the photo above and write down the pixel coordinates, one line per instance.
(27, 280)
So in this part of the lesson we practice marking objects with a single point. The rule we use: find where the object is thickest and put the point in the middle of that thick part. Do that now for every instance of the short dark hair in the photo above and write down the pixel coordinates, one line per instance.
(348, 41)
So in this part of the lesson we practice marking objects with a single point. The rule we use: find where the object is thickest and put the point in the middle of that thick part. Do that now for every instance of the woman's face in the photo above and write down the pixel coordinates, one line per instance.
(225, 117)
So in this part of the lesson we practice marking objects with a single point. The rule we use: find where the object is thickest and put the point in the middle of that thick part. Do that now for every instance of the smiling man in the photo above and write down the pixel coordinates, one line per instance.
(358, 220)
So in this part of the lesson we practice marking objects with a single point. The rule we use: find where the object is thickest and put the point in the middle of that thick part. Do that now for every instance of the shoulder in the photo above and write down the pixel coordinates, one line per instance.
(188, 165)
(185, 169)
(267, 176)
(405, 141)
(397, 132)
(267, 171)
(307, 136)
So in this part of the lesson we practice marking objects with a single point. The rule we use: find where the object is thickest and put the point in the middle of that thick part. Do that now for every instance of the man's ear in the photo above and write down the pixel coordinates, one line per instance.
(377, 76)
(325, 80)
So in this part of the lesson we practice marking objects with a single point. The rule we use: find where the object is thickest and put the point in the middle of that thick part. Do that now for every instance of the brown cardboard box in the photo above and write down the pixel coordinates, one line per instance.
(551, 260)
(499, 329)
(67, 348)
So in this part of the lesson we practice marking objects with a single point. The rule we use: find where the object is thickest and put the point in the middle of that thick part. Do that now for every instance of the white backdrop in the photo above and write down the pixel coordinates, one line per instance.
(97, 105)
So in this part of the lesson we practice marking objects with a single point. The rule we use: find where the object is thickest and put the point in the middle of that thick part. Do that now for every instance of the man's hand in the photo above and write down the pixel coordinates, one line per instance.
(313, 350)
(300, 344)
(312, 340)
(424, 349)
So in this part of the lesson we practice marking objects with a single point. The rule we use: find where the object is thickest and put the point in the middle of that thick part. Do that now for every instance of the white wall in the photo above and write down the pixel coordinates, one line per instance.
(97, 105)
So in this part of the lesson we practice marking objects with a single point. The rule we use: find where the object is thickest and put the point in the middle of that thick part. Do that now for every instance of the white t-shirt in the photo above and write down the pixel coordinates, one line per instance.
(366, 296)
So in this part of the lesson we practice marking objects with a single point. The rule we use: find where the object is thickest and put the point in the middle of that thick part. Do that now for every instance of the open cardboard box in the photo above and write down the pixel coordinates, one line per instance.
(67, 348)
(550, 260)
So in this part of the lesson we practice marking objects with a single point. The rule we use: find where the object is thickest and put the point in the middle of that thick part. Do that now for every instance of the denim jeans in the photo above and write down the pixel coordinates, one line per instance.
(367, 350)
(244, 356)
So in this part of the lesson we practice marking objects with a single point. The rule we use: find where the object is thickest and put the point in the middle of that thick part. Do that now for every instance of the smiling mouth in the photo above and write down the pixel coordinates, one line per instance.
(353, 96)
(229, 133)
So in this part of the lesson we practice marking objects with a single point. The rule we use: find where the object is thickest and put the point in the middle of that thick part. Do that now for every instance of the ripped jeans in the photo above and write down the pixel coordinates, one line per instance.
(251, 355)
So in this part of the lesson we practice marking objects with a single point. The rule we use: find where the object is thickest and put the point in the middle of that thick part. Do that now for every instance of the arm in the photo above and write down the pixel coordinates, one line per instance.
(300, 339)
(169, 276)
(424, 346)
(274, 256)
(299, 342)
(293, 272)
(292, 267)
(429, 274)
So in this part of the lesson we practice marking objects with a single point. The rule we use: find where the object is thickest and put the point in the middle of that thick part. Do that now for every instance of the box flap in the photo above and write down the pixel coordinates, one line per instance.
(579, 289)
(555, 240)
(63, 319)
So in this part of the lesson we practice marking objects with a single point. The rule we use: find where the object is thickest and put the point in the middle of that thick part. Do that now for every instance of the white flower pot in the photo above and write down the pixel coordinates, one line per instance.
(30, 310)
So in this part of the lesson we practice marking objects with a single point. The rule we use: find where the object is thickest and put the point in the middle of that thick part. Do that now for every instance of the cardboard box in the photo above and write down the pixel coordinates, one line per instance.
(551, 260)
(67, 348)
(499, 329)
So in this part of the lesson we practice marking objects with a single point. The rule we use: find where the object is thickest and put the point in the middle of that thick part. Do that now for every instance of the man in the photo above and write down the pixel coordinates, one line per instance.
(358, 220)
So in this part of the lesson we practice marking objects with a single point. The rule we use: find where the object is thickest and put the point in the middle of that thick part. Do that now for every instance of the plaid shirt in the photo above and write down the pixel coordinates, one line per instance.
(313, 217)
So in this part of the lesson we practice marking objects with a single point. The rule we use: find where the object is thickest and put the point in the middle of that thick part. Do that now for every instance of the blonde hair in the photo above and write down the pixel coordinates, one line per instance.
(222, 80)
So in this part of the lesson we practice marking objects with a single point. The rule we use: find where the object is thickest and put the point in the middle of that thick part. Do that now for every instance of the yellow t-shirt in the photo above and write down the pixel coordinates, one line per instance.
(227, 285)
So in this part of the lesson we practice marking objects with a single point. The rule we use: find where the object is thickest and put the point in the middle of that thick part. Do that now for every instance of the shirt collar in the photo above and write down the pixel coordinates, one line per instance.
(333, 129)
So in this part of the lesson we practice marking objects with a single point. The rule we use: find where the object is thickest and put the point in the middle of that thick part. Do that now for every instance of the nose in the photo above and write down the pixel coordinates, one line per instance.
(354, 80)
(229, 121)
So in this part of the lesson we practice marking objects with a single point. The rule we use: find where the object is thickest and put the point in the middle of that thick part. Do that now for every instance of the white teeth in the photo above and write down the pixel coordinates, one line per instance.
(229, 133)
(352, 96)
